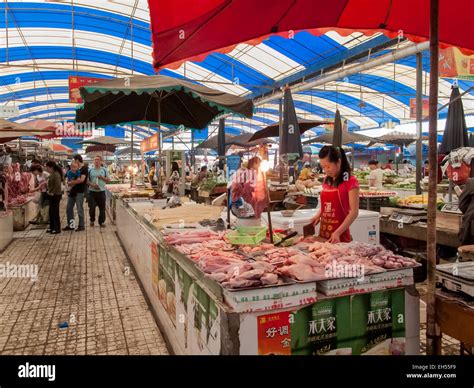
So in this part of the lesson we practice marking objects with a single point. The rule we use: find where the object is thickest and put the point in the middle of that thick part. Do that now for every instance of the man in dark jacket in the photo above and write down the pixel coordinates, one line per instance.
(466, 205)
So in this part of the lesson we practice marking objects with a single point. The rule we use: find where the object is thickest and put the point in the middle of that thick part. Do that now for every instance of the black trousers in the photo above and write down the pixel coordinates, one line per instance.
(97, 198)
(54, 219)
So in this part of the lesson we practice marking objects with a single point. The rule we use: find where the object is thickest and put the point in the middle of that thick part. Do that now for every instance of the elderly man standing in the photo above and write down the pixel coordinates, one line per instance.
(98, 178)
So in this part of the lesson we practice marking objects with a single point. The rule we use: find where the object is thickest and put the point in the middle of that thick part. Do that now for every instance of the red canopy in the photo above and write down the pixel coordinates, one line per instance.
(190, 29)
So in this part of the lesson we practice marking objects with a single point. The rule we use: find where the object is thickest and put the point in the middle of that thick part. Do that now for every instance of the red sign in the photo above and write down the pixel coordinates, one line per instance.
(274, 334)
(454, 64)
(75, 83)
(150, 143)
(425, 110)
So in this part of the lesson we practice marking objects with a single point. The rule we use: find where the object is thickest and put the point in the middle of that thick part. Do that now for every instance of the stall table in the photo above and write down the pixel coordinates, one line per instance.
(447, 229)
(198, 316)
(455, 317)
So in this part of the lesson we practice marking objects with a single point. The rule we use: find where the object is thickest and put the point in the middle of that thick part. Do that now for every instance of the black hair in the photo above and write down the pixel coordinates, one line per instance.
(373, 162)
(174, 167)
(35, 161)
(204, 168)
(336, 154)
(78, 158)
(427, 162)
(36, 167)
(390, 160)
(55, 167)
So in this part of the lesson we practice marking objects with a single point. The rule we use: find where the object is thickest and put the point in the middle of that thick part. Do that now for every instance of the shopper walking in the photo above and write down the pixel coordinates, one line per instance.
(98, 178)
(54, 195)
(78, 188)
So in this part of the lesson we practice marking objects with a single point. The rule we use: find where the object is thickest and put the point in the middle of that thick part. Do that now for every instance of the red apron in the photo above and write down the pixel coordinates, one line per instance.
(332, 214)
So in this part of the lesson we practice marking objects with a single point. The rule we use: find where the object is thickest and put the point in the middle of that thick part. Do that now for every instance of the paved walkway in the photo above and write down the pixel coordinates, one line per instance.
(84, 279)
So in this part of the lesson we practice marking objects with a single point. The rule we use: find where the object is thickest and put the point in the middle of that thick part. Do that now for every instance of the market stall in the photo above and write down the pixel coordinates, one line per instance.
(454, 303)
(411, 224)
(269, 300)
(18, 199)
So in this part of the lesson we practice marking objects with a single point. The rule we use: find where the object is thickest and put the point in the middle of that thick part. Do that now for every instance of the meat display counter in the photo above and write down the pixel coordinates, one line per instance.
(198, 315)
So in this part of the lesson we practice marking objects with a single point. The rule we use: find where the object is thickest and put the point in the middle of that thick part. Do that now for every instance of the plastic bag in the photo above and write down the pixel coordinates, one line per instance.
(459, 175)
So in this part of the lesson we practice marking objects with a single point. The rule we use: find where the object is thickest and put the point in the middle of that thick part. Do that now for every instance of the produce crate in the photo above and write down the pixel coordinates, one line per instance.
(374, 203)
(250, 235)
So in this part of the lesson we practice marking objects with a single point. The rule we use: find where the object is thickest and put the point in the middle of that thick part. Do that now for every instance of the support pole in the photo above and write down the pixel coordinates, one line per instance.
(132, 180)
(280, 161)
(419, 149)
(433, 336)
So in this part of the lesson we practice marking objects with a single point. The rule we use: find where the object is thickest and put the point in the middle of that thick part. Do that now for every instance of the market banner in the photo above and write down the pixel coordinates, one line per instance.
(274, 334)
(166, 284)
(75, 82)
(149, 144)
(372, 323)
(425, 109)
(233, 164)
(155, 260)
(454, 64)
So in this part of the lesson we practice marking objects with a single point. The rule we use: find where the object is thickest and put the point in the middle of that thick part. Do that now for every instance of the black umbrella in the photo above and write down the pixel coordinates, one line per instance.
(273, 130)
(231, 140)
(346, 138)
(244, 141)
(213, 142)
(455, 132)
(221, 143)
(127, 151)
(290, 141)
(156, 99)
(337, 135)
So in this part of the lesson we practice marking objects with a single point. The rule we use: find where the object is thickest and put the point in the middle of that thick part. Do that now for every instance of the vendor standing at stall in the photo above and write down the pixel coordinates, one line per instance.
(339, 197)
(248, 192)
(376, 175)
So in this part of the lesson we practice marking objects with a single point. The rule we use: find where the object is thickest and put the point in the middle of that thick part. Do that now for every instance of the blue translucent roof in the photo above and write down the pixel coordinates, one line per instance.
(42, 43)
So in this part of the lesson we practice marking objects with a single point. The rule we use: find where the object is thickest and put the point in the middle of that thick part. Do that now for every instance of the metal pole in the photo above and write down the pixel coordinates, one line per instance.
(270, 228)
(193, 156)
(419, 149)
(132, 180)
(433, 336)
(159, 141)
(280, 113)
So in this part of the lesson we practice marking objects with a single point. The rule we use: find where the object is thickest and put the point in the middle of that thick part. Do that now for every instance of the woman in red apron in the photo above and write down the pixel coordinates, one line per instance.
(339, 197)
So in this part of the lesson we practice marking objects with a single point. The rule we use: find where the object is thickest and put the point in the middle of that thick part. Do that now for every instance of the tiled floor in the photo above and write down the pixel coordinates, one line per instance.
(84, 279)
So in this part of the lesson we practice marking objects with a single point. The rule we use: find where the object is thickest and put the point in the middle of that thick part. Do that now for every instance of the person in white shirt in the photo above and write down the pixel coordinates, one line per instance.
(376, 175)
